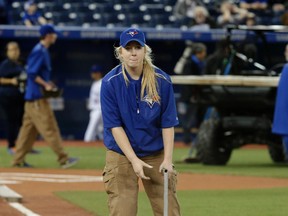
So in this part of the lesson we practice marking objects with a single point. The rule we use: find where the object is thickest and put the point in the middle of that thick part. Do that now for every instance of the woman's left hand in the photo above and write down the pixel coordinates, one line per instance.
(166, 165)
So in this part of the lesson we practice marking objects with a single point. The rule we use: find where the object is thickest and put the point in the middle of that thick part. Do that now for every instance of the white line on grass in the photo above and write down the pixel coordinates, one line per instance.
(23, 209)
(49, 177)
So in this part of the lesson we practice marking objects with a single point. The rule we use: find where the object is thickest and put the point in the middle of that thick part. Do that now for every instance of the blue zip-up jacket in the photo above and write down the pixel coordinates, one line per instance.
(141, 119)
(38, 64)
(280, 122)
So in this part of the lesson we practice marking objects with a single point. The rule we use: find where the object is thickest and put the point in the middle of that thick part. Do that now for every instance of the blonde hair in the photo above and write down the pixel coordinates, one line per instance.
(149, 79)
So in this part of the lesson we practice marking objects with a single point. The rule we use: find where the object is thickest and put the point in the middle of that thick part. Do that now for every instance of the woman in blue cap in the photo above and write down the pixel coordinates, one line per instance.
(139, 116)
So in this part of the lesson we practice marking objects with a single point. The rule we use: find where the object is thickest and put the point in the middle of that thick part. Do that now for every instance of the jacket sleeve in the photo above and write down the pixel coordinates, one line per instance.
(109, 106)
(35, 62)
(168, 106)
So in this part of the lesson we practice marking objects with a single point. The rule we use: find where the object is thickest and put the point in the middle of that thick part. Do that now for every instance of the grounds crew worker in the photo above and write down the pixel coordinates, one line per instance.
(38, 115)
(139, 115)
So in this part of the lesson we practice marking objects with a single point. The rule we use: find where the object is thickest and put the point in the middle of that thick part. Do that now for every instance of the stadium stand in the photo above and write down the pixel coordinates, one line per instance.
(142, 13)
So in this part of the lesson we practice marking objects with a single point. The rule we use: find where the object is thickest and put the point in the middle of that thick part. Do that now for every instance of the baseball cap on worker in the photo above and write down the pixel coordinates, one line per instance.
(47, 29)
(132, 34)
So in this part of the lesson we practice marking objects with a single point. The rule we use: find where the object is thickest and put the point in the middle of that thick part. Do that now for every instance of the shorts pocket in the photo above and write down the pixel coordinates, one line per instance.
(109, 180)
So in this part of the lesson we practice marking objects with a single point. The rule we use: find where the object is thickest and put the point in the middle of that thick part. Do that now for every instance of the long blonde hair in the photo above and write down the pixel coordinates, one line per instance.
(149, 79)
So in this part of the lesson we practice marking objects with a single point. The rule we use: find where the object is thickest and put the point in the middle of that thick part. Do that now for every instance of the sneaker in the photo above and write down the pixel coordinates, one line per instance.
(23, 165)
(69, 163)
(34, 151)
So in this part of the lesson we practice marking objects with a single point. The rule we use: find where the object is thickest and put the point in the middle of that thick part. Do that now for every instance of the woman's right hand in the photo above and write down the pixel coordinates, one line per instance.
(138, 168)
(48, 87)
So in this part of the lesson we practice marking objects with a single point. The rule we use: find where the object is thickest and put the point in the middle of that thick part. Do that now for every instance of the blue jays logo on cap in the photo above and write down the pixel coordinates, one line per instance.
(132, 34)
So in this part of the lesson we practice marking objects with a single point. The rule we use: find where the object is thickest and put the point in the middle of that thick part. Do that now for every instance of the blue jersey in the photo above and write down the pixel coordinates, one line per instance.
(38, 64)
(33, 18)
(141, 119)
(280, 122)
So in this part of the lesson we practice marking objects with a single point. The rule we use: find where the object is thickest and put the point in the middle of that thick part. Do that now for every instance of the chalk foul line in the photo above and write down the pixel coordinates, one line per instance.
(22, 209)
(15, 177)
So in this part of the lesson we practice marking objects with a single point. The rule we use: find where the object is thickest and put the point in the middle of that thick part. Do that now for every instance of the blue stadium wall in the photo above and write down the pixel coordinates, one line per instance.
(73, 56)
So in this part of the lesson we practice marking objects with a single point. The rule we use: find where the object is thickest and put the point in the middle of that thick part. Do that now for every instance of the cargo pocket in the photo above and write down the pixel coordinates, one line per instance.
(109, 180)
(172, 181)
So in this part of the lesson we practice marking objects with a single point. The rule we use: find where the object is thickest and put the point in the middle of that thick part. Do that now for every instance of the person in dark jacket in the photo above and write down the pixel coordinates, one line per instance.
(11, 99)
(187, 106)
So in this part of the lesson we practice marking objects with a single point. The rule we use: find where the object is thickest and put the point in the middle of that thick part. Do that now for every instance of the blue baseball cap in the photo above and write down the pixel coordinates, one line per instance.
(47, 29)
(28, 4)
(132, 34)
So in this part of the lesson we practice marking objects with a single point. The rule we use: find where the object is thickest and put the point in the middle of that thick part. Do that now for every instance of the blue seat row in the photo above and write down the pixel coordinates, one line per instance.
(116, 12)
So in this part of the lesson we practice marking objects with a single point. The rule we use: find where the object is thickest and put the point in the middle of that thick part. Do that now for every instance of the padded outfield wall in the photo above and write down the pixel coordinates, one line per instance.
(77, 49)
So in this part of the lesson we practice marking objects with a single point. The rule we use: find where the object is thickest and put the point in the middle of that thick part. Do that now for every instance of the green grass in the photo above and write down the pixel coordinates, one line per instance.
(90, 157)
(264, 202)
(249, 162)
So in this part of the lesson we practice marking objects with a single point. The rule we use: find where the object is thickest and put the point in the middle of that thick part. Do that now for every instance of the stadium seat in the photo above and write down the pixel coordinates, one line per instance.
(64, 18)
(80, 8)
(136, 19)
(128, 8)
(53, 7)
(89, 19)
(155, 10)
(113, 19)
(163, 20)
(70, 1)
(151, 1)
(17, 6)
(105, 8)
(124, 1)
(98, 1)
(168, 2)
(15, 18)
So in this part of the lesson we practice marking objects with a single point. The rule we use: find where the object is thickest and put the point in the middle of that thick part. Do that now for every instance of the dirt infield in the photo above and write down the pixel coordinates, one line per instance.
(37, 186)
(39, 197)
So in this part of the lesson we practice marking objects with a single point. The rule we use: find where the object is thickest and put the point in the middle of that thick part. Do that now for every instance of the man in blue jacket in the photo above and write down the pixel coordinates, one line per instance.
(280, 123)
(38, 116)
